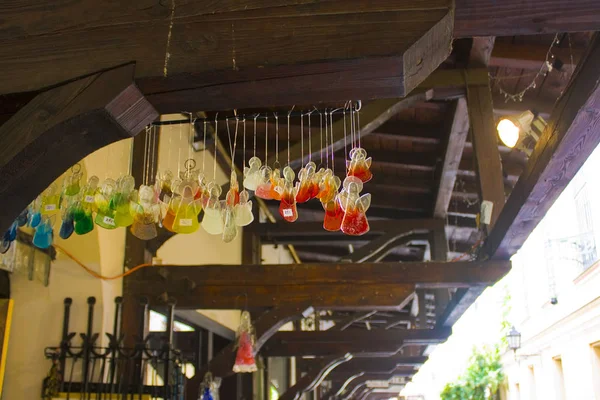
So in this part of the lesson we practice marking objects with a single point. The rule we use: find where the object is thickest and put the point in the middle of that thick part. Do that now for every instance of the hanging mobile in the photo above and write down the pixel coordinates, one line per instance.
(252, 173)
(263, 190)
(212, 222)
(232, 198)
(359, 165)
(245, 341)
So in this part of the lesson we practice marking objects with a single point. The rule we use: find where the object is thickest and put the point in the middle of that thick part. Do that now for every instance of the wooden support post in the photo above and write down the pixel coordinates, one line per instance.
(61, 126)
(485, 147)
(566, 143)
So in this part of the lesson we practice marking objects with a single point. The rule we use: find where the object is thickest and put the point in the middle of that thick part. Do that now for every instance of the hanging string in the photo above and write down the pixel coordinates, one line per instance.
(302, 135)
(154, 148)
(288, 134)
(144, 171)
(256, 116)
(345, 144)
(321, 136)
(216, 140)
(232, 147)
(179, 154)
(332, 150)
(170, 147)
(205, 150)
(309, 139)
(190, 137)
(266, 139)
(326, 140)
(276, 140)
(359, 106)
(244, 155)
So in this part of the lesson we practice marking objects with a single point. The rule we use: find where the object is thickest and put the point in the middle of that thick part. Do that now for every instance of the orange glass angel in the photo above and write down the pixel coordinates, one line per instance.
(359, 165)
(355, 221)
(287, 207)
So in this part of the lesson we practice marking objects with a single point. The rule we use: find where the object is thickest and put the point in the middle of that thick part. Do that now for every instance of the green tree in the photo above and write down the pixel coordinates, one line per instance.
(481, 380)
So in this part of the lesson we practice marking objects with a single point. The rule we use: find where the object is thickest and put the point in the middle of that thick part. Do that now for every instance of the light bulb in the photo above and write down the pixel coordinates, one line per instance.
(508, 132)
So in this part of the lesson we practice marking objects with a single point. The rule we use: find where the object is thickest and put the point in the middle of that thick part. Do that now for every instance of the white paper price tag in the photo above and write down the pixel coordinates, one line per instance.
(185, 222)
(89, 199)
(50, 207)
(287, 212)
(109, 221)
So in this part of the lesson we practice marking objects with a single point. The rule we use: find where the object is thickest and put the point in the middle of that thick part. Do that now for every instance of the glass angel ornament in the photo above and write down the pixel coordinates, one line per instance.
(334, 215)
(35, 212)
(163, 185)
(263, 189)
(85, 206)
(212, 222)
(67, 227)
(71, 184)
(243, 210)
(329, 186)
(121, 200)
(188, 209)
(359, 165)
(252, 176)
(44, 233)
(229, 227)
(23, 217)
(287, 206)
(145, 214)
(169, 210)
(277, 183)
(245, 340)
(233, 195)
(192, 178)
(305, 183)
(51, 198)
(105, 216)
(355, 221)
(9, 236)
(206, 389)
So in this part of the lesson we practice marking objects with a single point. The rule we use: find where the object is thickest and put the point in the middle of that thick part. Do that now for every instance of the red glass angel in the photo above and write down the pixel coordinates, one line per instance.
(355, 221)
(305, 184)
(244, 360)
(263, 190)
(287, 207)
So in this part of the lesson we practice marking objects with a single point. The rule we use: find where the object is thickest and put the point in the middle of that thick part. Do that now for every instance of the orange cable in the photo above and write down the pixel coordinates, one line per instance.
(95, 274)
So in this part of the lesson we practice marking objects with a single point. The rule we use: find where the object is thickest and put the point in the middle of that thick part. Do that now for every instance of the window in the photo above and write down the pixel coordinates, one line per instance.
(585, 243)
(559, 379)
(158, 323)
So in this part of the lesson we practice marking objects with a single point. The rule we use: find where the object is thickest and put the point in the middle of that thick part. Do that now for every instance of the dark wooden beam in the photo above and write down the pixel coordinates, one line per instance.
(372, 116)
(314, 376)
(369, 286)
(531, 57)
(530, 17)
(180, 40)
(61, 126)
(359, 343)
(459, 129)
(571, 136)
(485, 146)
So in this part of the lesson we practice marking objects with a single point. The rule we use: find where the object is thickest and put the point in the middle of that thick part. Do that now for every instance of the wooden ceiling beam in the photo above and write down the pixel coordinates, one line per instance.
(531, 57)
(571, 136)
(359, 343)
(459, 129)
(518, 17)
(287, 49)
(61, 126)
(366, 286)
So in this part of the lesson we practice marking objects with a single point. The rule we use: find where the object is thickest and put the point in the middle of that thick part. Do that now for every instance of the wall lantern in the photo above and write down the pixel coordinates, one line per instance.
(521, 131)
(514, 339)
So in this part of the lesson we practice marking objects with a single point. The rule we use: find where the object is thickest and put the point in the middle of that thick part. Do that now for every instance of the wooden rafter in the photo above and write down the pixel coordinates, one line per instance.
(570, 137)
(459, 129)
(367, 286)
(518, 17)
(359, 343)
(59, 127)
(531, 57)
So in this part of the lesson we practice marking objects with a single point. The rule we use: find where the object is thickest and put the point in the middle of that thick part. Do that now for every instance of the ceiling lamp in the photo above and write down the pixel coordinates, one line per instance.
(521, 131)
